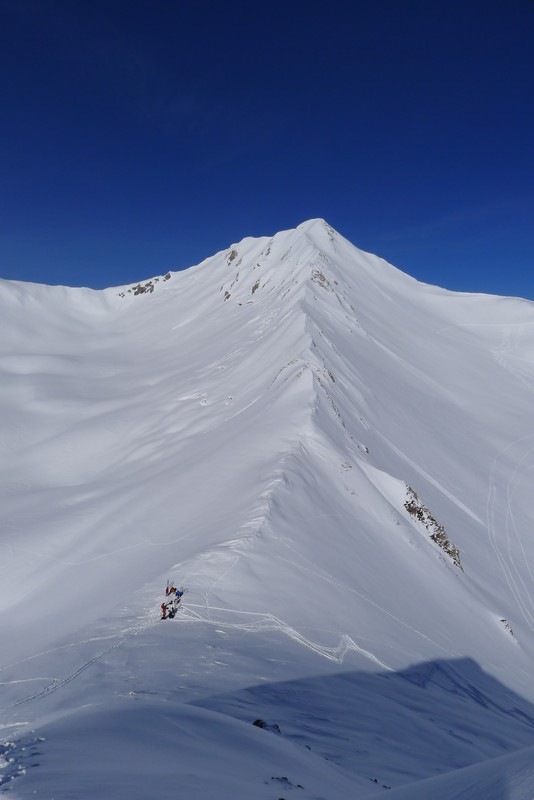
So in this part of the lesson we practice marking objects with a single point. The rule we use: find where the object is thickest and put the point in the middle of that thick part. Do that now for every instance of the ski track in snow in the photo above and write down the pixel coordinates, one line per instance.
(224, 618)
(215, 582)
(512, 575)
(511, 337)
(325, 576)
(264, 621)
(267, 621)
(68, 563)
(426, 476)
(504, 353)
(251, 621)
(148, 620)
(56, 649)
(58, 683)
(271, 622)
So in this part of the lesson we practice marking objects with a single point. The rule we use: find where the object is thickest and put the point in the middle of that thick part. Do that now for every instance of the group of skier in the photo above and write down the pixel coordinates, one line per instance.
(170, 605)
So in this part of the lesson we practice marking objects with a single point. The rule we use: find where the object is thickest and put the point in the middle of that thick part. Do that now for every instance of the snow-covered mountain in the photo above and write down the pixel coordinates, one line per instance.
(335, 461)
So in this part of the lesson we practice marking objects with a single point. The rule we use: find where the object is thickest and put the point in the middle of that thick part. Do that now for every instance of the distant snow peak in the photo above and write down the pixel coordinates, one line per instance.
(245, 431)
(290, 265)
(289, 258)
(318, 227)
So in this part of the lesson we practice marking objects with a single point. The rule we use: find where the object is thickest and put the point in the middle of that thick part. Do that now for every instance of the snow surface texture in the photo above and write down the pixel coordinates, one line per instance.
(335, 460)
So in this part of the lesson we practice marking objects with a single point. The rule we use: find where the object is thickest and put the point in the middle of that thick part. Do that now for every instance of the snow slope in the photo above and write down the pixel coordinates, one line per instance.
(282, 429)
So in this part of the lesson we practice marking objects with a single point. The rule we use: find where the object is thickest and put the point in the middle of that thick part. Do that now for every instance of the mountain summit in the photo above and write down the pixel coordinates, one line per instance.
(333, 459)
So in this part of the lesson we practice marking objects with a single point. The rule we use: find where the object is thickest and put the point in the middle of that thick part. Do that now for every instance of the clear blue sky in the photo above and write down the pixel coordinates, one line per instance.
(144, 135)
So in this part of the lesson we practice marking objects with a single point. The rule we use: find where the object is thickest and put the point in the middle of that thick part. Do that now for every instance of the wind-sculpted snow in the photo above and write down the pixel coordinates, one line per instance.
(249, 428)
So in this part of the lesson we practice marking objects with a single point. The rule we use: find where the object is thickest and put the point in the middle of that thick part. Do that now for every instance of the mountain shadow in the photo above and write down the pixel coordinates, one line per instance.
(394, 728)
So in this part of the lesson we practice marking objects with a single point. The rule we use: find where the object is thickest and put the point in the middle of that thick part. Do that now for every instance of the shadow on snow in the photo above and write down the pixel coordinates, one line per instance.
(393, 728)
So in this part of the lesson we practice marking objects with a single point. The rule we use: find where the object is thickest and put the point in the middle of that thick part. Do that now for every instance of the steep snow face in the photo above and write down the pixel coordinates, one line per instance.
(332, 457)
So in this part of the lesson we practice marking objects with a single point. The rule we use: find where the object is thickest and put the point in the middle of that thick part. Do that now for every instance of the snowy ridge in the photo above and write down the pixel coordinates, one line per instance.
(257, 427)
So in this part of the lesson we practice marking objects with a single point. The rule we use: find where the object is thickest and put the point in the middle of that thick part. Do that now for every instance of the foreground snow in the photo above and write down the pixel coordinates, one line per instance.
(250, 428)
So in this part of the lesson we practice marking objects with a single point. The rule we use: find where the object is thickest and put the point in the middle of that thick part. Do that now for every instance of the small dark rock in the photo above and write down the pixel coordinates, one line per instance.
(274, 728)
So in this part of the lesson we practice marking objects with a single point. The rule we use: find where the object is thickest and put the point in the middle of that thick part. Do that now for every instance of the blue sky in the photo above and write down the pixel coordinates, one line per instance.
(143, 136)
